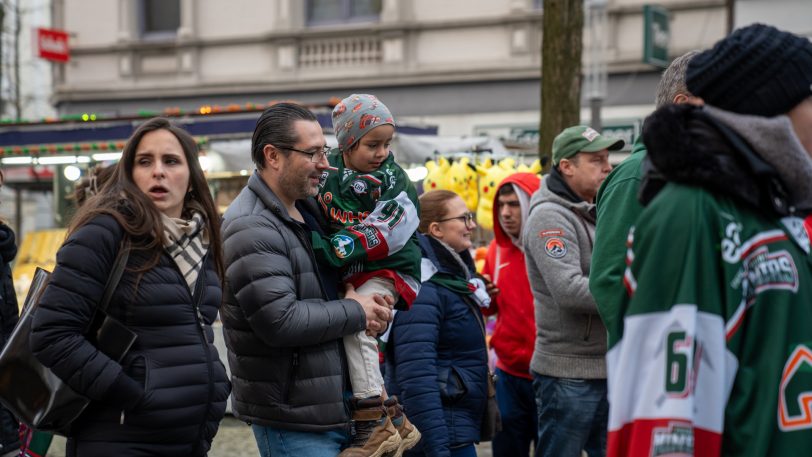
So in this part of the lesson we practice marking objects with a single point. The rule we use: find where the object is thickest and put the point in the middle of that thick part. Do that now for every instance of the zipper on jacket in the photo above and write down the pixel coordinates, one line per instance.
(350, 427)
(301, 236)
(344, 370)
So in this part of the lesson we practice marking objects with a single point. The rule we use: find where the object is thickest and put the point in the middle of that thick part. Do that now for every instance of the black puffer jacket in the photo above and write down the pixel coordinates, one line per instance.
(284, 339)
(168, 395)
(9, 315)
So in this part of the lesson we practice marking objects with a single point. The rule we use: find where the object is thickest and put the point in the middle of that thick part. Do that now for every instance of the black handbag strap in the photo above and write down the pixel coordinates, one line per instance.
(115, 275)
(112, 281)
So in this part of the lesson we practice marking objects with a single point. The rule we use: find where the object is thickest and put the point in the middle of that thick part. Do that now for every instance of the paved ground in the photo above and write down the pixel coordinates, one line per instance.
(234, 439)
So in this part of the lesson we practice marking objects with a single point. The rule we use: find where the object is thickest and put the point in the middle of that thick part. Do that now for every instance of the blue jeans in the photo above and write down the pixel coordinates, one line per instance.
(288, 443)
(573, 416)
(517, 406)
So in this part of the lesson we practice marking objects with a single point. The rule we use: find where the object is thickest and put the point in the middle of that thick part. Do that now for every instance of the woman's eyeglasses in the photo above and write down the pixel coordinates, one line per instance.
(467, 218)
(316, 155)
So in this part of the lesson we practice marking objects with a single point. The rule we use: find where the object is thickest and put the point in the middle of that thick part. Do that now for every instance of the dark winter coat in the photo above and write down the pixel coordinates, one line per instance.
(9, 315)
(437, 360)
(284, 337)
(168, 395)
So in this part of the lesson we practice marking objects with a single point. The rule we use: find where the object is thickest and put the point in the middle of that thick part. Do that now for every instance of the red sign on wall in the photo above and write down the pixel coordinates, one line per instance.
(52, 45)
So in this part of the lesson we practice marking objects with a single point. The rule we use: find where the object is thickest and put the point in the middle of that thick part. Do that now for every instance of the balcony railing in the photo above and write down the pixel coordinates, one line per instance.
(339, 52)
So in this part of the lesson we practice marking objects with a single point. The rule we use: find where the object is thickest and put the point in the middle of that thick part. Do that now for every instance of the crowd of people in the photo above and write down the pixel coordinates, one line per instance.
(660, 308)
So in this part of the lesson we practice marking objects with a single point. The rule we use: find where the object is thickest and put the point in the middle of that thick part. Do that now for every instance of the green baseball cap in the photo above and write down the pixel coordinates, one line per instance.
(582, 138)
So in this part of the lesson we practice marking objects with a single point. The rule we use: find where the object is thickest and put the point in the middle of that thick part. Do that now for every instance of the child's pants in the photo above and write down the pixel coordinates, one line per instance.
(362, 349)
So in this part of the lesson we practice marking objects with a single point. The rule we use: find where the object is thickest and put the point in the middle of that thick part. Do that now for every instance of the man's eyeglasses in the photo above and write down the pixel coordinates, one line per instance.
(467, 218)
(316, 155)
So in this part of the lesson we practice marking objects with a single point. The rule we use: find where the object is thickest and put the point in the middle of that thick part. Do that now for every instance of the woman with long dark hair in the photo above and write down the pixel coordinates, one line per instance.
(168, 394)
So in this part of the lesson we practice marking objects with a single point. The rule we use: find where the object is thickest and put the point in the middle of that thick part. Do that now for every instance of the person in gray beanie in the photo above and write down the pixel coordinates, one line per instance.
(715, 352)
(372, 208)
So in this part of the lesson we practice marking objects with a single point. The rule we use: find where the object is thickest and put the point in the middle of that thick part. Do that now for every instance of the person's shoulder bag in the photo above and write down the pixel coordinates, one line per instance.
(491, 419)
(30, 390)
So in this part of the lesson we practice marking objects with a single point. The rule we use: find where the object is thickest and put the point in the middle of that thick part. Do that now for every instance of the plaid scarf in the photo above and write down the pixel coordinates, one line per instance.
(186, 242)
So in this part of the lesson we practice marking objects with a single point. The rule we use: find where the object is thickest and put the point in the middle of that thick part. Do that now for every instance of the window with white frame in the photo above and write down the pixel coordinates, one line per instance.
(325, 12)
(159, 18)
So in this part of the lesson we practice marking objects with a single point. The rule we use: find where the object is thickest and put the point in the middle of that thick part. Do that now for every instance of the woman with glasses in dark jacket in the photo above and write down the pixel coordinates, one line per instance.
(168, 394)
(436, 357)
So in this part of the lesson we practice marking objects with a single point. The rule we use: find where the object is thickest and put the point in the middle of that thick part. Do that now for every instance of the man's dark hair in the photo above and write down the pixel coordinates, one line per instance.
(507, 189)
(275, 127)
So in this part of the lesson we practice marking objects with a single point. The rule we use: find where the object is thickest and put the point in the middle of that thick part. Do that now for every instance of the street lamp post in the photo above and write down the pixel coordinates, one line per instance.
(595, 78)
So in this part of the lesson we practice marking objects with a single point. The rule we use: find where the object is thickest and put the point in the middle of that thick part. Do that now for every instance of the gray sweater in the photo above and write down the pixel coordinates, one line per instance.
(557, 236)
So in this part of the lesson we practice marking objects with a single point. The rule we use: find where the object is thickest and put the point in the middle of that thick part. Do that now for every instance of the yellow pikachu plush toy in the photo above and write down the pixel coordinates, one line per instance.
(489, 180)
(462, 177)
(437, 177)
(534, 167)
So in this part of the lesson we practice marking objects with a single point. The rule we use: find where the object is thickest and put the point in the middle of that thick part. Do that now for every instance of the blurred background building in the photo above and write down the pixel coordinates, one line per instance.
(458, 74)
(470, 67)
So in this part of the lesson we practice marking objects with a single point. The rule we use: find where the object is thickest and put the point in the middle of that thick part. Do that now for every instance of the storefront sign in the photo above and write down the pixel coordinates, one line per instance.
(52, 45)
(656, 35)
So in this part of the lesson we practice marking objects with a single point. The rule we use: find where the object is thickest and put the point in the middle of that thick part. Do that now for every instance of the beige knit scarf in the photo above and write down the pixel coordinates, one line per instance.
(187, 242)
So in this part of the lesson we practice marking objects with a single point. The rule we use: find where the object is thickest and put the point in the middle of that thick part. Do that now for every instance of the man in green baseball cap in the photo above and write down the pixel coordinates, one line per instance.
(581, 157)
(581, 138)
(570, 338)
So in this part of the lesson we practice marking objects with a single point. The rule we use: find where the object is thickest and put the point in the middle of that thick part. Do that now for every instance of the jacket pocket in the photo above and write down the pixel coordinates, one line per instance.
(452, 387)
(137, 368)
(588, 329)
(293, 368)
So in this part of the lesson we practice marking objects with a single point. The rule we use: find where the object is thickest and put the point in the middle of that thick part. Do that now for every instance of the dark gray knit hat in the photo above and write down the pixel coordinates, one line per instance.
(757, 70)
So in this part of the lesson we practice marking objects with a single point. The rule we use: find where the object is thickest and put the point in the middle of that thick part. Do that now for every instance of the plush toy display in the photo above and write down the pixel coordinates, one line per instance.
(462, 177)
(534, 167)
(489, 180)
(437, 177)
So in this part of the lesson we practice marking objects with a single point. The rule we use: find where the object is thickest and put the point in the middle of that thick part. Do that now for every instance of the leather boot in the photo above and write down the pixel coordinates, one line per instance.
(374, 434)
(409, 435)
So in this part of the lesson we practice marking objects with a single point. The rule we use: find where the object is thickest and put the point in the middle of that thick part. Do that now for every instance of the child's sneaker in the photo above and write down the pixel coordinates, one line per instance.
(409, 435)
(374, 433)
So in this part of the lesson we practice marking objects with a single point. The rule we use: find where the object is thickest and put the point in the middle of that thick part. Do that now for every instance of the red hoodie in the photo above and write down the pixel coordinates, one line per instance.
(514, 338)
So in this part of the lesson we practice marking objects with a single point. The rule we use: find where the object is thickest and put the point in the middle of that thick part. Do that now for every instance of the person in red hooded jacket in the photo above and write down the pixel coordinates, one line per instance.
(515, 333)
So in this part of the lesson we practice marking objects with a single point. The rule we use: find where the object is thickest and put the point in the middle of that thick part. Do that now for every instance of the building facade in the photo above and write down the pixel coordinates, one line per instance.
(25, 79)
(468, 66)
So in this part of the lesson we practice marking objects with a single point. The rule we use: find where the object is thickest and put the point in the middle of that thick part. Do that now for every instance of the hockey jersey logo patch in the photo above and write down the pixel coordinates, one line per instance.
(763, 270)
(359, 187)
(555, 248)
(343, 246)
(675, 439)
(795, 413)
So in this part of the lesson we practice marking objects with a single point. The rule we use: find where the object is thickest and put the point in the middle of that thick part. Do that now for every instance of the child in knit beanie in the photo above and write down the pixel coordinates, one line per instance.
(369, 201)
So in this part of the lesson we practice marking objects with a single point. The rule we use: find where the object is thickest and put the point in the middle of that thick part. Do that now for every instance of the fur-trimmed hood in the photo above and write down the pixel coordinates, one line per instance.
(756, 160)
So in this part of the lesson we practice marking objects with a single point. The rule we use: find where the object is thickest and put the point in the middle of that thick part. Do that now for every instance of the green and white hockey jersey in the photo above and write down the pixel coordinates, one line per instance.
(715, 357)
(373, 217)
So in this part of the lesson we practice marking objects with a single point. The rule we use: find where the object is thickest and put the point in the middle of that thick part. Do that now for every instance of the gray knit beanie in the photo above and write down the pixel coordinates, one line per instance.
(356, 115)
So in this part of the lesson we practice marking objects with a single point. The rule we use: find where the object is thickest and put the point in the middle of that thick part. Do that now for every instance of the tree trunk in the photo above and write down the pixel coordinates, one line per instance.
(563, 24)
